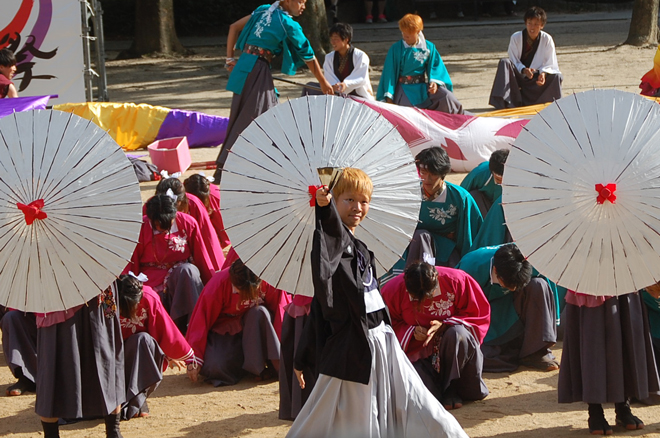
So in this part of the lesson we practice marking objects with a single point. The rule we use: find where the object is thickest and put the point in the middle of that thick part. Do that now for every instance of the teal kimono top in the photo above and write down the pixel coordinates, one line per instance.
(653, 311)
(453, 219)
(412, 61)
(270, 28)
(494, 230)
(503, 315)
(480, 178)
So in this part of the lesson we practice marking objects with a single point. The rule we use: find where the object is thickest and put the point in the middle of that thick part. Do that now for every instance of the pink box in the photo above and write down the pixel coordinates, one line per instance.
(171, 154)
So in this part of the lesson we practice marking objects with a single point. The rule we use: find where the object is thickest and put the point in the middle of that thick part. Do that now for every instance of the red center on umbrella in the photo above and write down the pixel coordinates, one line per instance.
(606, 193)
(312, 191)
(32, 211)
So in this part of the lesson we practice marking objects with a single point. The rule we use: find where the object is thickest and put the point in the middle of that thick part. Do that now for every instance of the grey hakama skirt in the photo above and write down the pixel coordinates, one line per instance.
(608, 352)
(536, 329)
(143, 361)
(483, 202)
(395, 402)
(461, 363)
(443, 100)
(292, 397)
(258, 96)
(228, 357)
(81, 365)
(19, 343)
(512, 89)
(182, 290)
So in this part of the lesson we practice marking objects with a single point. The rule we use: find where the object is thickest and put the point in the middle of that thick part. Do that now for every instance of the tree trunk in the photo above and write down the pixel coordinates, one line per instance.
(315, 26)
(154, 30)
(644, 23)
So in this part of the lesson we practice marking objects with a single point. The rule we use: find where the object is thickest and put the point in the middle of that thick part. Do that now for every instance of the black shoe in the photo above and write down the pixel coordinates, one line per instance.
(598, 425)
(625, 417)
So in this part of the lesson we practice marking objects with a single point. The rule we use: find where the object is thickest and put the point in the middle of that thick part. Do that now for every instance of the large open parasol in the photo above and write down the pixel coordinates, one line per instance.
(267, 178)
(70, 210)
(581, 192)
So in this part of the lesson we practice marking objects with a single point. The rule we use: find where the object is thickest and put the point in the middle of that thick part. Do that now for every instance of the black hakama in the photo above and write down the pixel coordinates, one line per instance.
(258, 96)
(228, 357)
(292, 397)
(512, 89)
(81, 365)
(182, 289)
(608, 353)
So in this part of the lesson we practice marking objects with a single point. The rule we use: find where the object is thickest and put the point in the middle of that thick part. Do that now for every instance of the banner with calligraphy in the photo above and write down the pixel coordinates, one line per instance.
(46, 38)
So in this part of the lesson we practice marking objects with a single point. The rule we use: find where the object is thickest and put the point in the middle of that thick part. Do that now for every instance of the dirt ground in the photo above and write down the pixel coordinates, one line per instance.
(521, 404)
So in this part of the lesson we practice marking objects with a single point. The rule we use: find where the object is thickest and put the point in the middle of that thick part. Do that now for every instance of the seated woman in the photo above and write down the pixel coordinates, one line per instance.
(441, 316)
(190, 204)
(19, 346)
(150, 338)
(530, 75)
(235, 328)
(414, 74)
(200, 186)
(172, 254)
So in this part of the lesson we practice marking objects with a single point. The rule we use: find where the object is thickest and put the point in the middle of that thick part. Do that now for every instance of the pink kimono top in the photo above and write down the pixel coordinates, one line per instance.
(151, 317)
(216, 217)
(461, 301)
(220, 309)
(158, 252)
(197, 210)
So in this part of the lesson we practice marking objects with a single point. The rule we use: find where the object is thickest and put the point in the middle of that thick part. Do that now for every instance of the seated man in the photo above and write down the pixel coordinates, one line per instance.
(440, 316)
(530, 75)
(523, 309)
(449, 219)
(346, 68)
(484, 182)
(414, 74)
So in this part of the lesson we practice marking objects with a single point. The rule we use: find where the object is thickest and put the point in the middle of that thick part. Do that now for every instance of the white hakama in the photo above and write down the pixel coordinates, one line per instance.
(399, 405)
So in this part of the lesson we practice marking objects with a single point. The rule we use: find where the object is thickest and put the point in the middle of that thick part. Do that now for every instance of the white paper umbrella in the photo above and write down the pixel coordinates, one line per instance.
(266, 180)
(552, 184)
(90, 210)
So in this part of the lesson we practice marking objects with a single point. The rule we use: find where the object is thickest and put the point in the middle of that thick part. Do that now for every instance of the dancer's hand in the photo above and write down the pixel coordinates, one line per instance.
(326, 87)
(193, 372)
(176, 363)
(301, 379)
(529, 72)
(323, 196)
(541, 80)
(433, 88)
(435, 326)
(339, 87)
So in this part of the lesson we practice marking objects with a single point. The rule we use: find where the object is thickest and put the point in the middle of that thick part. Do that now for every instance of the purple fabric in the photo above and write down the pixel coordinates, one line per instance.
(18, 104)
(202, 130)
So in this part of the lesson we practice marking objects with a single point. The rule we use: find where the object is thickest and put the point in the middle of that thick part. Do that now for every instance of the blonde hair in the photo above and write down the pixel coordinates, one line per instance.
(411, 23)
(354, 180)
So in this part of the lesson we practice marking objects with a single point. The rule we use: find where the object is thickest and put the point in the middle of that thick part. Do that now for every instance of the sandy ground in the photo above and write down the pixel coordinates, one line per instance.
(521, 404)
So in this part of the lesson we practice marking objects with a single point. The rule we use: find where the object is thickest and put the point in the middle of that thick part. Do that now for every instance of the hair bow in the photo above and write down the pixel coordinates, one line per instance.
(141, 277)
(170, 194)
(209, 178)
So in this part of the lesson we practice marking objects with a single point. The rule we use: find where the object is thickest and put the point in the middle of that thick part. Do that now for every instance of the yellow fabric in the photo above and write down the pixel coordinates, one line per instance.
(132, 126)
(522, 111)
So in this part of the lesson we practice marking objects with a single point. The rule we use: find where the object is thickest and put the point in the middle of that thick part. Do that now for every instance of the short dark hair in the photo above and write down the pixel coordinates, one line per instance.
(435, 160)
(161, 208)
(536, 12)
(497, 161)
(421, 279)
(199, 186)
(130, 292)
(7, 58)
(344, 30)
(511, 266)
(177, 188)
